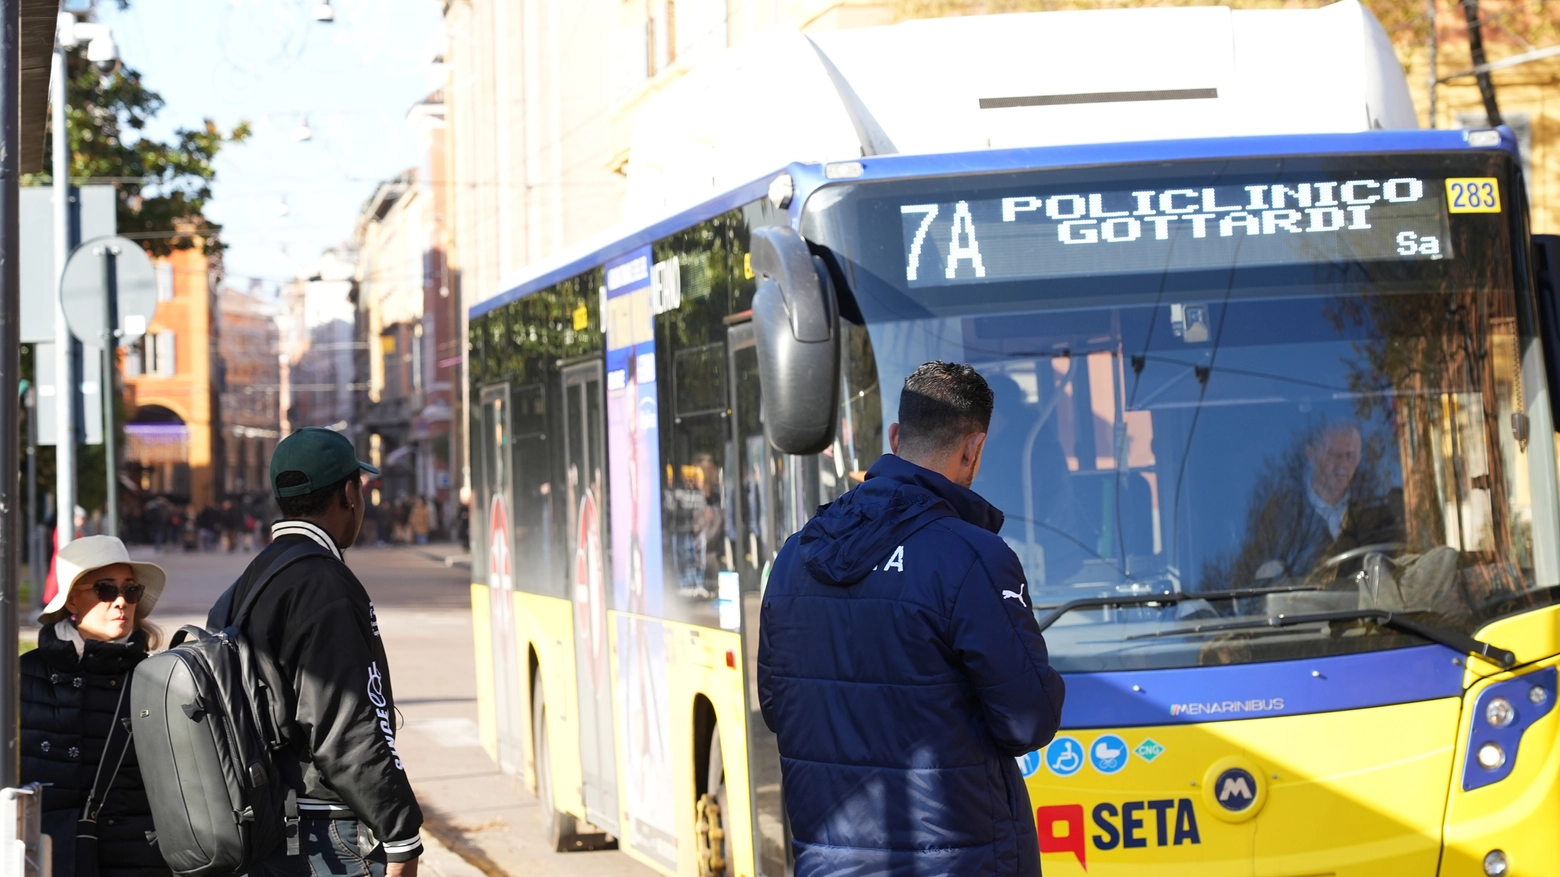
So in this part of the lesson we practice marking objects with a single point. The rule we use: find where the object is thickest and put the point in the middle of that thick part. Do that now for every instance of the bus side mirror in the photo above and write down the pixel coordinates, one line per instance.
(1546, 292)
(796, 326)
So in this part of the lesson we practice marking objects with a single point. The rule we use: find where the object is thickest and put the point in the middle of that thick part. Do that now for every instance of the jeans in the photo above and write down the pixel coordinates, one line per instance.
(331, 848)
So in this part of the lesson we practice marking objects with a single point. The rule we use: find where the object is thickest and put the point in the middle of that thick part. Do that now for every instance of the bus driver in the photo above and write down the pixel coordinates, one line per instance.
(1318, 507)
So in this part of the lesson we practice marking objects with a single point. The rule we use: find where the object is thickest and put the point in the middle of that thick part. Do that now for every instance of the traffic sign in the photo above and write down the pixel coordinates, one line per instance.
(104, 273)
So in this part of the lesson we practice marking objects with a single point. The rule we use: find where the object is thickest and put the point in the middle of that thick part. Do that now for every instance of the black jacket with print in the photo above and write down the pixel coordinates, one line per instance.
(316, 622)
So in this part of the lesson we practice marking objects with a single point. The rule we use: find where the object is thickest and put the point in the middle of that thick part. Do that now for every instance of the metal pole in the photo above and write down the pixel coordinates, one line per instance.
(1476, 50)
(10, 373)
(1433, 49)
(65, 388)
(34, 544)
(110, 343)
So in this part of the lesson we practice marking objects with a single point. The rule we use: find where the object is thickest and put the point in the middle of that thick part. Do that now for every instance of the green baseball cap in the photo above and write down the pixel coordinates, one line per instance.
(324, 455)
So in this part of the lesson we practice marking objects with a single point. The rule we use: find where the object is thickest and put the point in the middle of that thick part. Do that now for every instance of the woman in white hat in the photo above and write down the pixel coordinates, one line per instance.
(94, 632)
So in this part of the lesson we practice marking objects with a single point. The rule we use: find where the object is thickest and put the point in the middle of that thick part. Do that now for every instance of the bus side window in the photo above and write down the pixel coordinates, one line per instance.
(692, 268)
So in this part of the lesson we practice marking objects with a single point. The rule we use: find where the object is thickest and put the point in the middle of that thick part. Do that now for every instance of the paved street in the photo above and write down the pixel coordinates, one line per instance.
(424, 614)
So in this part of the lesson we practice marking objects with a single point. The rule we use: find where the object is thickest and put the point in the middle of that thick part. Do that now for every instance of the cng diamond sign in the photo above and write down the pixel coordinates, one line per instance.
(1149, 750)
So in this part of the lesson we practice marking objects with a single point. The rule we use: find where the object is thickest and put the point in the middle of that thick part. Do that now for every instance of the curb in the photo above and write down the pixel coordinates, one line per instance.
(449, 560)
(452, 854)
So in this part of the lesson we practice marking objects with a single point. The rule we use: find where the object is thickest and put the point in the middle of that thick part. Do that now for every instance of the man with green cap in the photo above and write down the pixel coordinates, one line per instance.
(314, 621)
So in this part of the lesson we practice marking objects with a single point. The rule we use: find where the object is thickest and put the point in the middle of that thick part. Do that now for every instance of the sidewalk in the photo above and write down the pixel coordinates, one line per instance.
(487, 818)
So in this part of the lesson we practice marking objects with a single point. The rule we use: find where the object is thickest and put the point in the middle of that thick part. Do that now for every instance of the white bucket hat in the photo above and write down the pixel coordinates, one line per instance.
(93, 553)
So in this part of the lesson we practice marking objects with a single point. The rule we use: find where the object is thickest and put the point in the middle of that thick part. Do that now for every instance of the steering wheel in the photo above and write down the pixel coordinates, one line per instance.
(1361, 551)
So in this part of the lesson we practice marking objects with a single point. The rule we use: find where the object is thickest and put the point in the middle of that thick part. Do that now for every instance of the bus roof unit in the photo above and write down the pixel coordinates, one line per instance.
(993, 81)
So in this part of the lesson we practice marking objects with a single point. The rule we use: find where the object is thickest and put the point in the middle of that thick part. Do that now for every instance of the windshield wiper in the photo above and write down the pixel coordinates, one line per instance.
(1163, 598)
(1452, 639)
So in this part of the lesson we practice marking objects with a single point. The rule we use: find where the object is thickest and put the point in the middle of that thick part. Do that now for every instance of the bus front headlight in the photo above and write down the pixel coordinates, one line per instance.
(1491, 756)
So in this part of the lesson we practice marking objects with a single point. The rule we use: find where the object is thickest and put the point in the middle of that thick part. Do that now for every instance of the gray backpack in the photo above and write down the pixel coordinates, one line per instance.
(206, 726)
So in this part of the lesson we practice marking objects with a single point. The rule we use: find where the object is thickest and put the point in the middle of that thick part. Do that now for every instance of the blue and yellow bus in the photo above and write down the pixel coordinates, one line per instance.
(1274, 436)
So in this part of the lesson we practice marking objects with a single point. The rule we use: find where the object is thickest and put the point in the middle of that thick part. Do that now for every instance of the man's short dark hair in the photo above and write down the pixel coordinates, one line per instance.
(941, 403)
(307, 505)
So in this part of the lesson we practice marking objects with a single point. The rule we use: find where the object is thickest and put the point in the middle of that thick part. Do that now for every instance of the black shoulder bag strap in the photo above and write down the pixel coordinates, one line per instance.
(86, 826)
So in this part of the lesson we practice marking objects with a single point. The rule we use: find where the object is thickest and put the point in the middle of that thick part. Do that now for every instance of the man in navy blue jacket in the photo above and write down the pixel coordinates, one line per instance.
(899, 662)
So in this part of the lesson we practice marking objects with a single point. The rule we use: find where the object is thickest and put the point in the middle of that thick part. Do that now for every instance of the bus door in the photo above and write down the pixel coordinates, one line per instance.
(496, 444)
(761, 528)
(589, 585)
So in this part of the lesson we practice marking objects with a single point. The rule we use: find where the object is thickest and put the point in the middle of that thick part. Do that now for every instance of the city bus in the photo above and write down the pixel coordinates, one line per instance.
(1273, 436)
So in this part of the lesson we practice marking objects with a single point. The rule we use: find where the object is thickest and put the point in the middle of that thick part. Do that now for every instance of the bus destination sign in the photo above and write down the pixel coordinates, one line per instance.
(1065, 234)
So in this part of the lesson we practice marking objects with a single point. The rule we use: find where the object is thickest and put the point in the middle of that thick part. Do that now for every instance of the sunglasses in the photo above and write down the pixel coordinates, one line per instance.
(107, 593)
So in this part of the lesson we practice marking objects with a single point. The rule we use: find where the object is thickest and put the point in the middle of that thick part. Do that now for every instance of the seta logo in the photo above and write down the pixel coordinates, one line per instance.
(1136, 825)
(1165, 821)
(1254, 705)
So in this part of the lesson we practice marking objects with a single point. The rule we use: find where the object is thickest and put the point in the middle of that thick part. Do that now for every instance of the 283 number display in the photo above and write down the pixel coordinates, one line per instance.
(1472, 195)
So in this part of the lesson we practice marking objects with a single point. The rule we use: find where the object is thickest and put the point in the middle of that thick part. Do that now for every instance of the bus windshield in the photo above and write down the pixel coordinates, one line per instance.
(1310, 381)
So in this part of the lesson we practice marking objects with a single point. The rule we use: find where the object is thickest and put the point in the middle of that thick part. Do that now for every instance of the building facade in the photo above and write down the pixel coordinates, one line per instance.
(318, 334)
(170, 384)
(250, 395)
(408, 318)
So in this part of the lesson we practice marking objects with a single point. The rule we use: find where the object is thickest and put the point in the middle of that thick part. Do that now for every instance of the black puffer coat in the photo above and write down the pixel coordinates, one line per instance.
(67, 708)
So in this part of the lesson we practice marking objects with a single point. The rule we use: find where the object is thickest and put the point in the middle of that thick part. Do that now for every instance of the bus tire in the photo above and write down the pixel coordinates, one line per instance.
(559, 829)
(711, 819)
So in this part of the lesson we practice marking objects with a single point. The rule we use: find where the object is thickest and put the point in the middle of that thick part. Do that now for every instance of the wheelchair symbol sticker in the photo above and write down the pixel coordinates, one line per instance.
(1109, 754)
(1064, 756)
(1029, 763)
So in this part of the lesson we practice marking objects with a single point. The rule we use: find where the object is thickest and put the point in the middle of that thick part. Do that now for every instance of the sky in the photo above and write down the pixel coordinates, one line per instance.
(282, 201)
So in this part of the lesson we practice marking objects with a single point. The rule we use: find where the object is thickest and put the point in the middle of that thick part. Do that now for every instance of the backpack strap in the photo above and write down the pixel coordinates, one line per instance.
(224, 608)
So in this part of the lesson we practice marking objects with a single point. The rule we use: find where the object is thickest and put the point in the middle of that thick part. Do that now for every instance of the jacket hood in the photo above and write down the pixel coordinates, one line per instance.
(847, 538)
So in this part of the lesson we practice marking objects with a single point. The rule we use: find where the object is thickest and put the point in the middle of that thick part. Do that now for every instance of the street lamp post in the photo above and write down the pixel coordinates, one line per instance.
(101, 51)
(10, 373)
(64, 363)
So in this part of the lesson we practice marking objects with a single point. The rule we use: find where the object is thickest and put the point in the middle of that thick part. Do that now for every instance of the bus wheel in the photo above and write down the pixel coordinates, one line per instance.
(558, 828)
(714, 851)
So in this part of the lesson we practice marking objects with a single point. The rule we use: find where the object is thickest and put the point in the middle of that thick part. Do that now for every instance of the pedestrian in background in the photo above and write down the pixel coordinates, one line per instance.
(209, 525)
(418, 521)
(900, 664)
(232, 524)
(73, 697)
(403, 521)
(157, 513)
(189, 530)
(316, 622)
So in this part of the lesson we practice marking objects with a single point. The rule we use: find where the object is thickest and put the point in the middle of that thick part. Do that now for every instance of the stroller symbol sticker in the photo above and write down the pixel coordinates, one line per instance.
(1064, 756)
(1109, 754)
